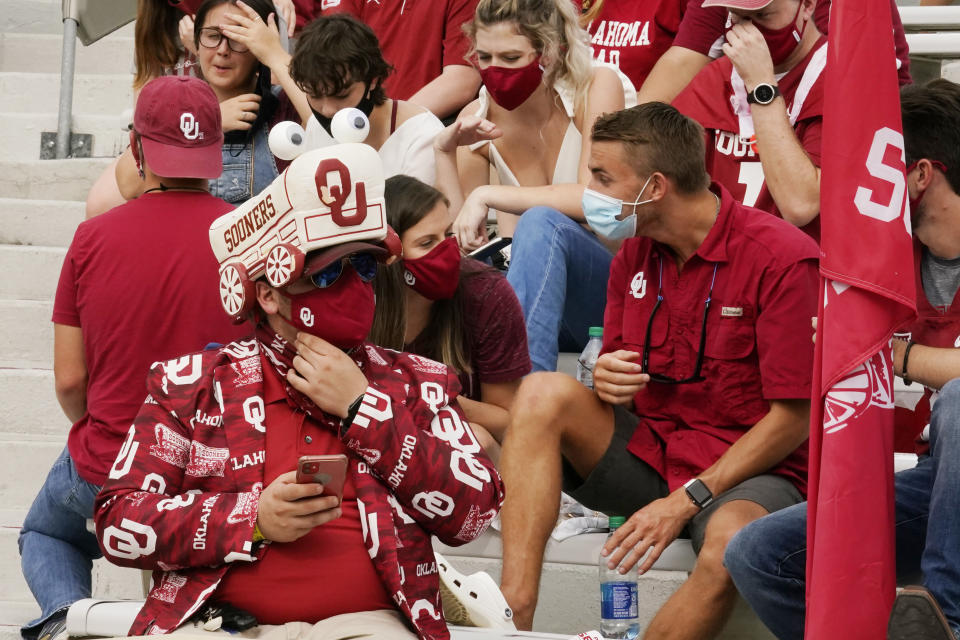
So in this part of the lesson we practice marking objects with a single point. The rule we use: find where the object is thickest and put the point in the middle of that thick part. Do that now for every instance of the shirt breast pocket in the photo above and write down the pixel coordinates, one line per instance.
(636, 320)
(731, 366)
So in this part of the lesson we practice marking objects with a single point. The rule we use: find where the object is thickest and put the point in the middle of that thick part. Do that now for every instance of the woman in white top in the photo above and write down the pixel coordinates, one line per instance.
(338, 63)
(531, 123)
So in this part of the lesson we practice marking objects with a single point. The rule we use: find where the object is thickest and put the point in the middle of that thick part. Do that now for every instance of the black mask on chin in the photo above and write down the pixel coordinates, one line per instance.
(365, 105)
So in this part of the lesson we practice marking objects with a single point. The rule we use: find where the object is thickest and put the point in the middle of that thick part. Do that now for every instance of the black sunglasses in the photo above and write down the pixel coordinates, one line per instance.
(363, 263)
(645, 358)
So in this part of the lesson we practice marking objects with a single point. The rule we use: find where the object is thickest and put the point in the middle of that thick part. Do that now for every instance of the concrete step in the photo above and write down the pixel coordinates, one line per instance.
(31, 16)
(26, 335)
(41, 53)
(50, 179)
(20, 138)
(25, 463)
(39, 269)
(30, 407)
(100, 94)
(39, 222)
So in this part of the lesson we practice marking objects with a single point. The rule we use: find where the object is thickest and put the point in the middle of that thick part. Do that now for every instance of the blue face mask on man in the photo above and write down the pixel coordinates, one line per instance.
(602, 213)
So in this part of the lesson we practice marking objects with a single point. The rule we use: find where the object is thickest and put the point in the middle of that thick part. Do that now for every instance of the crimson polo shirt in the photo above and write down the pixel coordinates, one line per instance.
(418, 37)
(328, 571)
(140, 281)
(758, 342)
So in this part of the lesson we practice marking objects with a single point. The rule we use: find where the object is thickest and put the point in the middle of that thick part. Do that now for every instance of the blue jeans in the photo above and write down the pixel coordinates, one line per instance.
(767, 558)
(56, 549)
(559, 271)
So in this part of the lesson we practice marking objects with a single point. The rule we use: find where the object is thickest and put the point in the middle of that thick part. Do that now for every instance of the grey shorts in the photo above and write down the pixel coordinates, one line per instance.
(622, 483)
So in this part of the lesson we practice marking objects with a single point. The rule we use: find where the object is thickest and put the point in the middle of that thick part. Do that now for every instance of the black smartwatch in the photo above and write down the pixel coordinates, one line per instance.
(763, 93)
(698, 492)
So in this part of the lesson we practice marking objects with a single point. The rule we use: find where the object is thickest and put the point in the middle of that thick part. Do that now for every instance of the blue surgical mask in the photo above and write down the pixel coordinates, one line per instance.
(602, 211)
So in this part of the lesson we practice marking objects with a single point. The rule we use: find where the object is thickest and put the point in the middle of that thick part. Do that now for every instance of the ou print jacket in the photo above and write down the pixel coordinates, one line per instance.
(175, 503)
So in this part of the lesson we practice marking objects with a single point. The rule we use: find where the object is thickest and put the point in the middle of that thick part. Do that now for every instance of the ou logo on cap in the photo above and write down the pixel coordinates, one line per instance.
(638, 286)
(306, 317)
(189, 126)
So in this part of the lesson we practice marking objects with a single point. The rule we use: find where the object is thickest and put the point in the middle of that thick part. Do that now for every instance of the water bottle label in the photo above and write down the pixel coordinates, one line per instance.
(618, 600)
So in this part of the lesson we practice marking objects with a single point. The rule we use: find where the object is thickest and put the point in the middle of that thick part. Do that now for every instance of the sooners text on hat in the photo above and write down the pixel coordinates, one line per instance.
(178, 121)
(326, 197)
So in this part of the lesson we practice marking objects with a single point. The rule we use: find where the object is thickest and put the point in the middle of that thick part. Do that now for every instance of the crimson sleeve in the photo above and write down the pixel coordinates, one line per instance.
(787, 302)
(700, 27)
(455, 42)
(65, 301)
(429, 458)
(144, 518)
(613, 314)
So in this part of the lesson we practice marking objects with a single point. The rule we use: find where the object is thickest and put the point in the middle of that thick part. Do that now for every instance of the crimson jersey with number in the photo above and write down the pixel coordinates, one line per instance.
(732, 161)
(633, 35)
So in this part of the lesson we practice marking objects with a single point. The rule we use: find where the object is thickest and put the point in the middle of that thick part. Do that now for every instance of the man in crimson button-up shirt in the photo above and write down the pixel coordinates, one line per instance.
(700, 413)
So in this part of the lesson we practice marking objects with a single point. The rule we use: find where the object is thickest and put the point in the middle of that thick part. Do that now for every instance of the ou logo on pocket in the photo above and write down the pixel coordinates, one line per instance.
(189, 126)
(638, 286)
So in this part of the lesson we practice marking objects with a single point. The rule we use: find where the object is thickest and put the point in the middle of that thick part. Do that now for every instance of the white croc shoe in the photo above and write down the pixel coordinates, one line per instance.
(474, 600)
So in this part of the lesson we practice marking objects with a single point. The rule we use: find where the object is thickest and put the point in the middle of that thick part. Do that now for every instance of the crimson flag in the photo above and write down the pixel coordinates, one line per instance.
(866, 292)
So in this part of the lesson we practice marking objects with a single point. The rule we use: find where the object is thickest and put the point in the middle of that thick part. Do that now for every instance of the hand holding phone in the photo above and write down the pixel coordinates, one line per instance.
(287, 510)
(490, 248)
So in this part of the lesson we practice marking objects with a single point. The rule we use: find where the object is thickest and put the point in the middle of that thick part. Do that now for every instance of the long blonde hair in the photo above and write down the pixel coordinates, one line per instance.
(554, 31)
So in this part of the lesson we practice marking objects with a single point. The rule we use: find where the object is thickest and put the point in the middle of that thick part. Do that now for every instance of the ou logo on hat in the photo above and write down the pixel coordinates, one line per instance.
(306, 317)
(189, 126)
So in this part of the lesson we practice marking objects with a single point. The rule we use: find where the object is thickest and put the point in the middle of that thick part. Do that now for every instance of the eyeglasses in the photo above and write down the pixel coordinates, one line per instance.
(363, 263)
(645, 358)
(211, 38)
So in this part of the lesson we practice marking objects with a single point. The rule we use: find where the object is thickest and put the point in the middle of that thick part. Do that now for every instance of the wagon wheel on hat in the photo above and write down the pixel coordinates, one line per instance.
(236, 291)
(284, 264)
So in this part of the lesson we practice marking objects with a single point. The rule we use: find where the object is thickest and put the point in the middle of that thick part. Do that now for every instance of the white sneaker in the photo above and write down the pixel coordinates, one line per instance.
(474, 600)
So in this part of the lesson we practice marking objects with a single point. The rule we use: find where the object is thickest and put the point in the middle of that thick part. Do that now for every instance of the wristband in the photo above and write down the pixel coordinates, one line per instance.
(257, 535)
(352, 412)
(906, 357)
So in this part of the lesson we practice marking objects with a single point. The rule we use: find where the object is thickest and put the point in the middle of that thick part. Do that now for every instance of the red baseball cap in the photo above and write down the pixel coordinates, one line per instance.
(178, 120)
(744, 5)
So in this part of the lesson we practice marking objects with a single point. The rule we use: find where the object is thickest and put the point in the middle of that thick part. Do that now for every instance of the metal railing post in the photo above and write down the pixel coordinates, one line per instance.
(67, 68)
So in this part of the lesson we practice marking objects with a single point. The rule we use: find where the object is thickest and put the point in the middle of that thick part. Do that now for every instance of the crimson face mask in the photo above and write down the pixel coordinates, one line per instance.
(782, 42)
(341, 314)
(435, 275)
(510, 87)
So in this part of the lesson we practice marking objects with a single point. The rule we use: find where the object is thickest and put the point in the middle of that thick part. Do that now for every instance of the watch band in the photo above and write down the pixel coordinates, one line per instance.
(752, 97)
(906, 357)
(698, 492)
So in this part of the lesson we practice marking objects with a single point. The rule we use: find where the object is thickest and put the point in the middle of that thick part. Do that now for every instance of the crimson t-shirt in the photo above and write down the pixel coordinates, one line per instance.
(141, 282)
(703, 26)
(496, 335)
(758, 344)
(633, 35)
(418, 37)
(733, 162)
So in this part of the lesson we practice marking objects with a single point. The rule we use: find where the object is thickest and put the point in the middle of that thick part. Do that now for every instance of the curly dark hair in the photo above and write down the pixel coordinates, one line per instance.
(335, 51)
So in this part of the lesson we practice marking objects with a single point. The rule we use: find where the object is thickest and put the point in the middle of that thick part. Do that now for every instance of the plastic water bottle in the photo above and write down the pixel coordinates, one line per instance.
(618, 597)
(588, 358)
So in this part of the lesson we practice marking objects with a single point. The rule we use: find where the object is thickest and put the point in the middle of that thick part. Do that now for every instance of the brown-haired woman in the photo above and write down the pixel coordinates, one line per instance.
(458, 312)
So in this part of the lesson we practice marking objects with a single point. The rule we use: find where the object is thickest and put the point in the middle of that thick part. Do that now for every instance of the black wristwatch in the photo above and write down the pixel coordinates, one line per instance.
(698, 492)
(763, 93)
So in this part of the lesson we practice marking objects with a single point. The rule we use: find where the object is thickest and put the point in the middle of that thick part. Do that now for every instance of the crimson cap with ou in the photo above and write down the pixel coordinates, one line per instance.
(178, 120)
(743, 5)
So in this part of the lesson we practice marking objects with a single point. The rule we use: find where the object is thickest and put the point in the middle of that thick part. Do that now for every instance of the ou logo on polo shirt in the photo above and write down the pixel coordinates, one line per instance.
(638, 286)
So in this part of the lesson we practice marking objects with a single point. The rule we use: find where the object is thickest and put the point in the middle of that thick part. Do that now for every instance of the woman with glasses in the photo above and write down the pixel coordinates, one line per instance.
(458, 312)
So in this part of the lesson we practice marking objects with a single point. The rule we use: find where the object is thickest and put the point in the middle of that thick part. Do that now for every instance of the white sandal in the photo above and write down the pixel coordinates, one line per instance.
(474, 600)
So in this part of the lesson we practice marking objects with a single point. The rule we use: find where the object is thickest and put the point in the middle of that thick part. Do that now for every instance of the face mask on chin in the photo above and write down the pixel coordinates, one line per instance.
(365, 105)
(341, 314)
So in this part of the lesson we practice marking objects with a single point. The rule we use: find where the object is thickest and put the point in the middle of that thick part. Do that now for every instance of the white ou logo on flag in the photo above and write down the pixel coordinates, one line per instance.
(638, 286)
(306, 317)
(189, 126)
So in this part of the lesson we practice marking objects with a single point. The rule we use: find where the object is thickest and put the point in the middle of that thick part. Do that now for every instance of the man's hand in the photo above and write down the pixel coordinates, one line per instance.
(651, 529)
(470, 227)
(288, 511)
(327, 375)
(465, 132)
(617, 378)
(749, 54)
(239, 113)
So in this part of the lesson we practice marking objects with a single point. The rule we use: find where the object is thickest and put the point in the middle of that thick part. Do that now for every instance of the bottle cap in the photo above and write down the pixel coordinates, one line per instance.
(616, 521)
(595, 332)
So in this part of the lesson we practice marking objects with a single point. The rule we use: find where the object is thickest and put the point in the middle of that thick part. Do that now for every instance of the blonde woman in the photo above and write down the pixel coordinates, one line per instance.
(540, 97)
